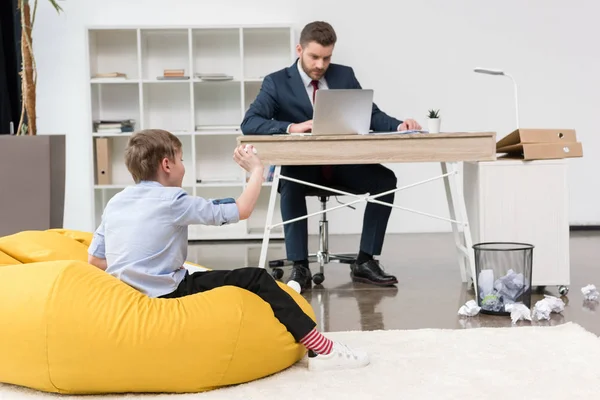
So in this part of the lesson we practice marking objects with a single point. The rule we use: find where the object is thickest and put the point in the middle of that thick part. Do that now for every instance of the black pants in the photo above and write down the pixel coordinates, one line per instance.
(255, 280)
(371, 178)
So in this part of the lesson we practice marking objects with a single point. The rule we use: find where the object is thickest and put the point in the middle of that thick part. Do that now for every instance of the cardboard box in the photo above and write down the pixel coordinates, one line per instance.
(540, 144)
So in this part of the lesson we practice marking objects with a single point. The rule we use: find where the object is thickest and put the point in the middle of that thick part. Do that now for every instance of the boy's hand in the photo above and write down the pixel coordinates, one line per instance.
(247, 159)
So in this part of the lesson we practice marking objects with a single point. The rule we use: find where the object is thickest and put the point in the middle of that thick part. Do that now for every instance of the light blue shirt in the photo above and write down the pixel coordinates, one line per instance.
(144, 234)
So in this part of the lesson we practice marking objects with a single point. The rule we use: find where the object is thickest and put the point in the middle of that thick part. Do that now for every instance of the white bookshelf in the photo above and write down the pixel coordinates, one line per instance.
(204, 114)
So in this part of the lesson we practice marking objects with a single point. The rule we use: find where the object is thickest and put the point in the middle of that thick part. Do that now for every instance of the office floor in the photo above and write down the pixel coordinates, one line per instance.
(429, 293)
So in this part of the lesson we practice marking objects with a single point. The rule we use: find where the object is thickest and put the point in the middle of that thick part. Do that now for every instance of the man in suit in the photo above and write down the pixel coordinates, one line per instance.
(285, 105)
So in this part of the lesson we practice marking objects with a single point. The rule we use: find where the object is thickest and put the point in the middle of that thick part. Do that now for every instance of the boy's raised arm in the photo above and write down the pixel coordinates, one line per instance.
(190, 210)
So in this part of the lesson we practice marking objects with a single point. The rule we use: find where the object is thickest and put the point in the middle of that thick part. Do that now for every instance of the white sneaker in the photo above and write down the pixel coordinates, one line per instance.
(341, 357)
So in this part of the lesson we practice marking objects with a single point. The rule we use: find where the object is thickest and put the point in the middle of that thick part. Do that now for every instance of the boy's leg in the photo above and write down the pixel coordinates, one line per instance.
(286, 310)
(258, 281)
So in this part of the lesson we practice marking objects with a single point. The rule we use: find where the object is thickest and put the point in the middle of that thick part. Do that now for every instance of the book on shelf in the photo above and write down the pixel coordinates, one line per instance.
(205, 76)
(172, 78)
(110, 75)
(114, 126)
(173, 74)
(224, 128)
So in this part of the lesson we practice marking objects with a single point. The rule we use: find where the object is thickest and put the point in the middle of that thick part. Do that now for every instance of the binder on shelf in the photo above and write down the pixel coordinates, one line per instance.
(103, 164)
(540, 144)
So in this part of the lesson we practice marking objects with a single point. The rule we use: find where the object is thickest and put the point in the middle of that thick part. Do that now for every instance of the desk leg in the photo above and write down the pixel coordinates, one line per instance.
(458, 211)
(448, 183)
(269, 221)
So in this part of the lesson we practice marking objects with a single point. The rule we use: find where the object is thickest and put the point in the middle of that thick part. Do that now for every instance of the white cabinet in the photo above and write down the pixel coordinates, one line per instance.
(523, 201)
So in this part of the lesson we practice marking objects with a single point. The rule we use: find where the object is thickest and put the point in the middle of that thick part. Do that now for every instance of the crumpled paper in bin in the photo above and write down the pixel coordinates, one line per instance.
(590, 293)
(544, 307)
(496, 294)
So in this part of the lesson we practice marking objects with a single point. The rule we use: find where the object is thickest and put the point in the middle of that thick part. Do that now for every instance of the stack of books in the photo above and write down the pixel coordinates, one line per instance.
(114, 126)
(173, 74)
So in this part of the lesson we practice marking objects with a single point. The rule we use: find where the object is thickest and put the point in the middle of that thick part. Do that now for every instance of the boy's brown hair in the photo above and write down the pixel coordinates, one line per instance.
(318, 31)
(145, 151)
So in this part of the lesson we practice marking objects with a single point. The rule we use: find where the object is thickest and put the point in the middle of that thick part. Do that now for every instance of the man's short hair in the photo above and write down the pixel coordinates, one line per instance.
(145, 151)
(318, 31)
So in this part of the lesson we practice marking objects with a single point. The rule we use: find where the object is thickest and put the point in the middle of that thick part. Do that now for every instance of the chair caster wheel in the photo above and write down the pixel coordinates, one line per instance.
(277, 273)
(563, 290)
(318, 278)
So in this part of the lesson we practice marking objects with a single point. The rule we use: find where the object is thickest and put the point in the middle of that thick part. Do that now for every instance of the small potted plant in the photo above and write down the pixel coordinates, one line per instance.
(434, 121)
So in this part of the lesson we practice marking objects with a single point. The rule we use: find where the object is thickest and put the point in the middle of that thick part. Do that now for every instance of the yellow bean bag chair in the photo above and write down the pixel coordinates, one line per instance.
(5, 259)
(68, 327)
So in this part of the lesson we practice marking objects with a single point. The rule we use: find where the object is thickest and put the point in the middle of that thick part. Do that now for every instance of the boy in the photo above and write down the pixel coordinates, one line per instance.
(142, 240)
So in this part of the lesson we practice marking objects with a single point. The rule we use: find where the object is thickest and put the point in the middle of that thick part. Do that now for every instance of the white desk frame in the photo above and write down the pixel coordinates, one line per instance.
(448, 149)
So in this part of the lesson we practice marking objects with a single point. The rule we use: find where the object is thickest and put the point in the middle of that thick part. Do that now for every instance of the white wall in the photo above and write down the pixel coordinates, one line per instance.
(416, 54)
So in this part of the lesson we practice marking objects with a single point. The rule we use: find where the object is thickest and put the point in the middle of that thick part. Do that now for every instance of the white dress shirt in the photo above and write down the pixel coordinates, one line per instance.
(307, 82)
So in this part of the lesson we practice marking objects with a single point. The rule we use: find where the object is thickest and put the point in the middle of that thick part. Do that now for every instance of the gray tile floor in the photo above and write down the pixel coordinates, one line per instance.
(429, 293)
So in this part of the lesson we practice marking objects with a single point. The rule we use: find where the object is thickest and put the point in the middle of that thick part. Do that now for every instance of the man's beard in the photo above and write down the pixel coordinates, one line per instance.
(311, 73)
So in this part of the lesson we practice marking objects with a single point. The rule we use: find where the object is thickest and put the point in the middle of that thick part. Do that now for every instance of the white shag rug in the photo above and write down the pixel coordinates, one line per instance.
(559, 362)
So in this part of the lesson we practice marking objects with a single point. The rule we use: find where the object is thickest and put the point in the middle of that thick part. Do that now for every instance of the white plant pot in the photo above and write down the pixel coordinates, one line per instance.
(433, 125)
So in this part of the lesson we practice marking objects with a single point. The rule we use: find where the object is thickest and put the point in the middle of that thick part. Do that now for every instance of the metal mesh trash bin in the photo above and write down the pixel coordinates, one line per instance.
(503, 275)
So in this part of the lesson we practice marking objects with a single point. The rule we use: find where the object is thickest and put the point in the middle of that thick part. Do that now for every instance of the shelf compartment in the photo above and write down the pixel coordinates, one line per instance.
(115, 102)
(214, 159)
(216, 51)
(217, 104)
(164, 49)
(167, 106)
(265, 50)
(113, 51)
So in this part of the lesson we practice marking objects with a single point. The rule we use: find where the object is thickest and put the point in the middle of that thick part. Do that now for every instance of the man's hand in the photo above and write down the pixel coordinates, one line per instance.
(408, 125)
(304, 127)
(247, 159)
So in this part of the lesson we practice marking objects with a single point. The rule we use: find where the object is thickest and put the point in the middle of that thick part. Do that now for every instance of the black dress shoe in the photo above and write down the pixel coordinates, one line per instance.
(371, 272)
(303, 276)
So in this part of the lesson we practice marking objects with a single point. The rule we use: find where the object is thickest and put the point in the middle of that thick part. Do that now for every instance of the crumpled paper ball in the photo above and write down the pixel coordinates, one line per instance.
(518, 311)
(470, 309)
(590, 293)
(544, 307)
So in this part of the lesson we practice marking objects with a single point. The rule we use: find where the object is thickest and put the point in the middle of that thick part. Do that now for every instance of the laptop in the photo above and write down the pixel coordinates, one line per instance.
(342, 112)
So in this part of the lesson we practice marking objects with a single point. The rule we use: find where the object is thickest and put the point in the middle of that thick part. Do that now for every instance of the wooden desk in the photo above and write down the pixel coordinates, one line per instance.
(447, 148)
(369, 149)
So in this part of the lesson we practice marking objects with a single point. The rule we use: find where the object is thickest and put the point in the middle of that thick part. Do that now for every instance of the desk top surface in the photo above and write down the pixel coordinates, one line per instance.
(404, 136)
(373, 149)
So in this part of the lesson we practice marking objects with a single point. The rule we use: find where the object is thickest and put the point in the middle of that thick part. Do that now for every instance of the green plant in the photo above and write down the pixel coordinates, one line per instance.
(434, 114)
(28, 68)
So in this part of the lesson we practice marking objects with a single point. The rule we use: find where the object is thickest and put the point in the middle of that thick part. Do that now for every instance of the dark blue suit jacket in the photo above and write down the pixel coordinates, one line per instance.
(283, 100)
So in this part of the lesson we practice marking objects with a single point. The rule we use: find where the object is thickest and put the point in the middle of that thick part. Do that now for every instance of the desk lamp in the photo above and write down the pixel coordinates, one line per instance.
(499, 72)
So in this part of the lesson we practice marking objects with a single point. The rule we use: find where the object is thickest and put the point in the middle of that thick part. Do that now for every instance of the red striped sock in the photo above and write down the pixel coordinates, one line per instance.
(316, 342)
